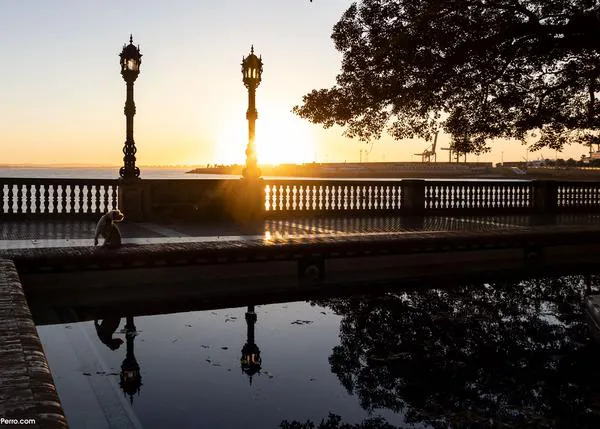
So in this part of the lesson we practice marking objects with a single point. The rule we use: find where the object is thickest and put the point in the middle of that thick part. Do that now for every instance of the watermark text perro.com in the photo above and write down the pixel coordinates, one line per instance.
(4, 421)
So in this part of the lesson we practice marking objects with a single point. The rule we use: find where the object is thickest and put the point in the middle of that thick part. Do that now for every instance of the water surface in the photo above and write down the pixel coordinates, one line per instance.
(496, 354)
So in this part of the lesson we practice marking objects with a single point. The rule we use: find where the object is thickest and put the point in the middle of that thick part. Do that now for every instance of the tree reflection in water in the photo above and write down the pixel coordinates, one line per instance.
(507, 353)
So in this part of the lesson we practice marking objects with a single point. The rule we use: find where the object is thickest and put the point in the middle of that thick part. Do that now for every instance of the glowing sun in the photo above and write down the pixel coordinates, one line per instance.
(281, 138)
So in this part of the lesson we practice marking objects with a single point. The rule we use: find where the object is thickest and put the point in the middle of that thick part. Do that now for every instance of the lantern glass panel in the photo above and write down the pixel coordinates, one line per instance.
(132, 64)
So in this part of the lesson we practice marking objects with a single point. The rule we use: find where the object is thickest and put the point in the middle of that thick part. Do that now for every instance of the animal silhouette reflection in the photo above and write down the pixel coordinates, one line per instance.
(106, 329)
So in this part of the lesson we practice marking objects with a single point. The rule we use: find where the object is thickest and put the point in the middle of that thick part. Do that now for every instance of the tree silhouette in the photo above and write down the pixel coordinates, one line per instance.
(477, 68)
(512, 354)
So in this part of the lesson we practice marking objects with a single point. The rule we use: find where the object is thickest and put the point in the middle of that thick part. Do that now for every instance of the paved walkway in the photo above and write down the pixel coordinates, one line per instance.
(79, 233)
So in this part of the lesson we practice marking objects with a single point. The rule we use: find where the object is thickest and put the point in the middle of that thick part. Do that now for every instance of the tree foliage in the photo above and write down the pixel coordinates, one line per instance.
(479, 69)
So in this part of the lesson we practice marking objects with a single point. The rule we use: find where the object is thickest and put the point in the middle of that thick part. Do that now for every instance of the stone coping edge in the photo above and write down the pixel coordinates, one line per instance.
(27, 389)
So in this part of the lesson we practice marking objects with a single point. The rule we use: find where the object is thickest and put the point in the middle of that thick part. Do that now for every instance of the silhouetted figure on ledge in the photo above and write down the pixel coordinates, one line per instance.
(107, 228)
(106, 329)
(250, 361)
(131, 379)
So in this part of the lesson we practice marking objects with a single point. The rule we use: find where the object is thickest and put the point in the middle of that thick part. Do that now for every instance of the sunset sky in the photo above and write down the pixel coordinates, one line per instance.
(62, 96)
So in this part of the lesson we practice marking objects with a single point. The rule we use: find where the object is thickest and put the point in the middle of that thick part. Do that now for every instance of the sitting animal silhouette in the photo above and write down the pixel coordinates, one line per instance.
(108, 229)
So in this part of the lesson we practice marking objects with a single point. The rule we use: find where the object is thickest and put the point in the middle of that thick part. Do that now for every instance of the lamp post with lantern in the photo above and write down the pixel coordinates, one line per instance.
(131, 59)
(252, 68)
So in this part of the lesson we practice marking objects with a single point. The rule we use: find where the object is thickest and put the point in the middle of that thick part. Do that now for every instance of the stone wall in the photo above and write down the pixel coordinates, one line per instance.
(27, 390)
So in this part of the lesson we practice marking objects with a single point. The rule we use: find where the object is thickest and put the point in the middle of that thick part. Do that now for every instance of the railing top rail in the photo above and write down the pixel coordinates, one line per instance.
(332, 182)
(480, 182)
(56, 181)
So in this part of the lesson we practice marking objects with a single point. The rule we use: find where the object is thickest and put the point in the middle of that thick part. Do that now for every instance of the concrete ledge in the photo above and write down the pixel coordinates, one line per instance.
(324, 247)
(27, 389)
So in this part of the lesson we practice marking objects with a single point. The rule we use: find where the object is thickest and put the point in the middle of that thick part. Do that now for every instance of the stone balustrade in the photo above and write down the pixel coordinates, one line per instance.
(57, 197)
(276, 198)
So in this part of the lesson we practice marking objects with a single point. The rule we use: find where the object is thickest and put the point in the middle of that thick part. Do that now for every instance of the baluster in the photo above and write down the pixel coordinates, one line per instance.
(10, 208)
(456, 196)
(2, 195)
(97, 189)
(446, 201)
(299, 193)
(286, 197)
(36, 198)
(115, 195)
(352, 198)
(273, 197)
(66, 198)
(280, 193)
(106, 199)
(513, 196)
(28, 199)
(386, 197)
(87, 198)
(307, 197)
(55, 200)
(20, 199)
(320, 197)
(267, 197)
(80, 198)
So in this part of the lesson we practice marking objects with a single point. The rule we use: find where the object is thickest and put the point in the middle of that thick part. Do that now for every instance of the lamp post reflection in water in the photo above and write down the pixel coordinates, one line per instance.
(250, 361)
(131, 379)
(252, 68)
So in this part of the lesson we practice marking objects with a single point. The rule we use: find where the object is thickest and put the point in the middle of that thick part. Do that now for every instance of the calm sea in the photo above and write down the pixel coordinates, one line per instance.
(103, 173)
(167, 173)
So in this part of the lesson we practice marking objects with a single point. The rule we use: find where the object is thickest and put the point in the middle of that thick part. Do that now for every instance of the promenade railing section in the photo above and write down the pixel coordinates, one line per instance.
(57, 197)
(280, 198)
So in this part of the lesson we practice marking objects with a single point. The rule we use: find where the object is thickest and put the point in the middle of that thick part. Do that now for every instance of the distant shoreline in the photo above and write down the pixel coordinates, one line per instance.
(462, 172)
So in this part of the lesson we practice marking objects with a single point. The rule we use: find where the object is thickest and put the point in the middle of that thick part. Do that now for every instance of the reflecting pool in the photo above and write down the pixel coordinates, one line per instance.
(497, 354)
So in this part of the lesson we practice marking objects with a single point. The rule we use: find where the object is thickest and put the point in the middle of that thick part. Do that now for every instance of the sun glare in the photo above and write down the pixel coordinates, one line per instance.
(280, 139)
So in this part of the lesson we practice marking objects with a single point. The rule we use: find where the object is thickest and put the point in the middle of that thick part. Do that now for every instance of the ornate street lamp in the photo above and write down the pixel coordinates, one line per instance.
(250, 361)
(131, 59)
(131, 379)
(252, 68)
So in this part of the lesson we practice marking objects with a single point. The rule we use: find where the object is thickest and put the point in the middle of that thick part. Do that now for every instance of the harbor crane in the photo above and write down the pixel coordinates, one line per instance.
(429, 152)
